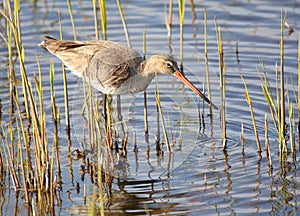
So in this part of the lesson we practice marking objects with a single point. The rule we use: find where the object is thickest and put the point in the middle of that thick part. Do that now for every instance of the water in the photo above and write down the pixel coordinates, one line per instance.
(198, 177)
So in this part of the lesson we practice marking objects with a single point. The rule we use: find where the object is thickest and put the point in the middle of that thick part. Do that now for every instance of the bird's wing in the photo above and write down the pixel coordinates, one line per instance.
(106, 63)
(74, 54)
(113, 64)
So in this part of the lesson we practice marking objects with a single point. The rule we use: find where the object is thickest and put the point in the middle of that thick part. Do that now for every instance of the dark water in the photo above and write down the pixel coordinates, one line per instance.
(198, 177)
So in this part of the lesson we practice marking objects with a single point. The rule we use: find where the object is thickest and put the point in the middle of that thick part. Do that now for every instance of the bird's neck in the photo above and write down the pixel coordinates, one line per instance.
(146, 69)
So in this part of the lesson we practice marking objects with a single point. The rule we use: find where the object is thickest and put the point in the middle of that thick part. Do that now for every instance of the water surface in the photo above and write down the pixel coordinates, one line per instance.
(198, 177)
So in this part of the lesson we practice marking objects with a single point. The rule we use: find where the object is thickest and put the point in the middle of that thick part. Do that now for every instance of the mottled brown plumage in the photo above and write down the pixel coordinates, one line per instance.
(113, 68)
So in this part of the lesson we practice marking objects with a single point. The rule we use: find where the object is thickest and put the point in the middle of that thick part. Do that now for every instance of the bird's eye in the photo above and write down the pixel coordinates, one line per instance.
(169, 64)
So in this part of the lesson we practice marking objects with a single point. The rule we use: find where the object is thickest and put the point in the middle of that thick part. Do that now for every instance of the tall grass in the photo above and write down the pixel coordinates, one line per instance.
(277, 106)
(36, 175)
(25, 145)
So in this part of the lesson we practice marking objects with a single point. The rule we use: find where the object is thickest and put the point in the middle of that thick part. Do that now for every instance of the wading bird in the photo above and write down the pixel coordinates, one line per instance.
(113, 68)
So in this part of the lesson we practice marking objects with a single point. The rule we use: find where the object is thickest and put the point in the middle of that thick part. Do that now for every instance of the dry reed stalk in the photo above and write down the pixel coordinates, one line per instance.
(95, 19)
(98, 120)
(22, 164)
(248, 99)
(91, 117)
(124, 143)
(124, 23)
(11, 71)
(10, 159)
(173, 138)
(120, 117)
(206, 64)
(242, 137)
(66, 96)
(157, 97)
(12, 19)
(105, 98)
(100, 182)
(291, 127)
(2, 167)
(222, 71)
(55, 121)
(15, 29)
(168, 20)
(267, 144)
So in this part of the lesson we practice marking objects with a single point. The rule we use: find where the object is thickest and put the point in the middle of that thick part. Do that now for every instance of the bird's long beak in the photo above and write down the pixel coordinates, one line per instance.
(183, 79)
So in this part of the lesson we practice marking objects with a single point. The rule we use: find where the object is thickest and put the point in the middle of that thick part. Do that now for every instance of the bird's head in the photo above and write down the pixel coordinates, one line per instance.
(166, 64)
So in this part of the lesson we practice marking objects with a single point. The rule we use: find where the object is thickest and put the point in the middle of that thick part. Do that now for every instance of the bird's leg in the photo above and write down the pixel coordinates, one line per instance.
(119, 111)
(105, 109)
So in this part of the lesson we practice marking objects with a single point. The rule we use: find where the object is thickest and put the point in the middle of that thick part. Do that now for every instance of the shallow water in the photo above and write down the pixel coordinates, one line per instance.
(198, 177)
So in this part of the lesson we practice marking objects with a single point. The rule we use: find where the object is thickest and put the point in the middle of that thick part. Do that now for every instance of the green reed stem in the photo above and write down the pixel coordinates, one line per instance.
(181, 5)
(55, 120)
(265, 85)
(72, 18)
(281, 137)
(11, 72)
(26, 87)
(103, 17)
